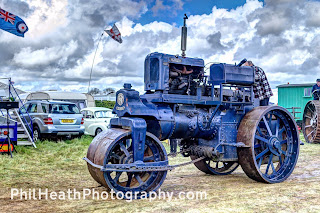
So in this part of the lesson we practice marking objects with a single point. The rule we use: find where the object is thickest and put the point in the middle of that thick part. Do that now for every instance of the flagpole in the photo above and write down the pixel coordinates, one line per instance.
(113, 33)
(93, 61)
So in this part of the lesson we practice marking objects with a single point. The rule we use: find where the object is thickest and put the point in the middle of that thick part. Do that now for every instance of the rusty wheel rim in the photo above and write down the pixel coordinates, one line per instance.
(120, 152)
(310, 122)
(272, 137)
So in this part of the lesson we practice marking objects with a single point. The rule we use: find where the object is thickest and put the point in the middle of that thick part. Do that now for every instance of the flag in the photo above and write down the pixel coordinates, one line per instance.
(12, 23)
(114, 33)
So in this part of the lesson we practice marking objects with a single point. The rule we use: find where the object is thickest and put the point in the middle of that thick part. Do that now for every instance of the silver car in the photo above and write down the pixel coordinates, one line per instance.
(53, 118)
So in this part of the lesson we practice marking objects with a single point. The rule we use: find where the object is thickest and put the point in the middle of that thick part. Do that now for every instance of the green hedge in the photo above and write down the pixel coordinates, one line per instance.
(107, 104)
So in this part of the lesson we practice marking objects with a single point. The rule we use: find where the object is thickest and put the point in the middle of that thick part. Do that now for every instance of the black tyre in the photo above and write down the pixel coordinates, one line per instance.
(98, 131)
(36, 134)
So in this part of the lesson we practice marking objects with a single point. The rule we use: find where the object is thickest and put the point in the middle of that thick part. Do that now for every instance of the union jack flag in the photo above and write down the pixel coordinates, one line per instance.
(7, 17)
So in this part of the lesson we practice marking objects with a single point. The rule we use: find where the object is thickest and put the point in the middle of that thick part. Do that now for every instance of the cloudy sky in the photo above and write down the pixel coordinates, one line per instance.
(281, 36)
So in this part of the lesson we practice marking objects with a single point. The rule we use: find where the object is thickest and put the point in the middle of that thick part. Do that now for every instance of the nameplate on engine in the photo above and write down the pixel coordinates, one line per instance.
(176, 60)
(120, 108)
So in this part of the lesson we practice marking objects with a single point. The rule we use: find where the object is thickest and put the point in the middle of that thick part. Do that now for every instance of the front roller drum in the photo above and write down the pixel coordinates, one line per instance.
(271, 136)
(311, 122)
(114, 146)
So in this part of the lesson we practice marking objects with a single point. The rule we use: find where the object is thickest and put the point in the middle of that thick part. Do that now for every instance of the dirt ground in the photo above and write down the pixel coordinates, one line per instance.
(58, 167)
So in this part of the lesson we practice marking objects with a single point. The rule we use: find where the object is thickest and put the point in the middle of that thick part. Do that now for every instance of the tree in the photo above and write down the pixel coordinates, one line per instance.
(109, 91)
(94, 91)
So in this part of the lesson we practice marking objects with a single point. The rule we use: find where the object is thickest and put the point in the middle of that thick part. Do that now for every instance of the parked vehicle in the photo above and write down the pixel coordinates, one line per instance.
(96, 119)
(53, 118)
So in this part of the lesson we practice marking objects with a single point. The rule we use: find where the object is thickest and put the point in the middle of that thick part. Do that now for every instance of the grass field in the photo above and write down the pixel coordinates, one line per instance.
(59, 166)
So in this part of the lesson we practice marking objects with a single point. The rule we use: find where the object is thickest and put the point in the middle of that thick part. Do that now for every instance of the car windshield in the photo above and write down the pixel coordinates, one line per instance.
(63, 109)
(103, 114)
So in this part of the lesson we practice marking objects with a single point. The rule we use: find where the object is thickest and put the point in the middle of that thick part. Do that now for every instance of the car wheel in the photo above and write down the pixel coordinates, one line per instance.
(36, 134)
(98, 131)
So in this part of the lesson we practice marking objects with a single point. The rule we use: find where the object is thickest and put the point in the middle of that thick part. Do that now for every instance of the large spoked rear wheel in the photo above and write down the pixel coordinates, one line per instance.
(271, 135)
(310, 122)
(114, 146)
(211, 167)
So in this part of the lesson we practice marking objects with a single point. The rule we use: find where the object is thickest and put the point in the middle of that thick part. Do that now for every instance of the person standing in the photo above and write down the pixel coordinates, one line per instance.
(261, 88)
(316, 88)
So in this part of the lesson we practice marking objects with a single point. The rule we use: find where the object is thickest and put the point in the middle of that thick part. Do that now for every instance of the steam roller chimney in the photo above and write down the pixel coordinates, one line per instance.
(184, 34)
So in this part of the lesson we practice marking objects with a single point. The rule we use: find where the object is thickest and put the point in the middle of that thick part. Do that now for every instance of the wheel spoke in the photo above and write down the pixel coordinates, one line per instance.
(308, 126)
(262, 154)
(269, 163)
(148, 158)
(310, 109)
(124, 149)
(138, 179)
(129, 179)
(114, 155)
(117, 176)
(280, 160)
(259, 130)
(272, 166)
(310, 133)
(260, 162)
(308, 116)
(128, 142)
(261, 138)
(283, 142)
(267, 125)
(281, 131)
(257, 146)
(283, 152)
(277, 127)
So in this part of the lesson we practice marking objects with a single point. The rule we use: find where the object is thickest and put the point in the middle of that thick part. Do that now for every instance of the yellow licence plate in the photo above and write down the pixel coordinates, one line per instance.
(67, 121)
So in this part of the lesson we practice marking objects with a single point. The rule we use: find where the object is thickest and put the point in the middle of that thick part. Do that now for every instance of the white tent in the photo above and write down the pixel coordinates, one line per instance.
(82, 100)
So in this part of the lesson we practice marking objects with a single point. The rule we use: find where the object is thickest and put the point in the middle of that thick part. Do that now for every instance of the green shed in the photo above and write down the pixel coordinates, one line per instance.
(295, 95)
